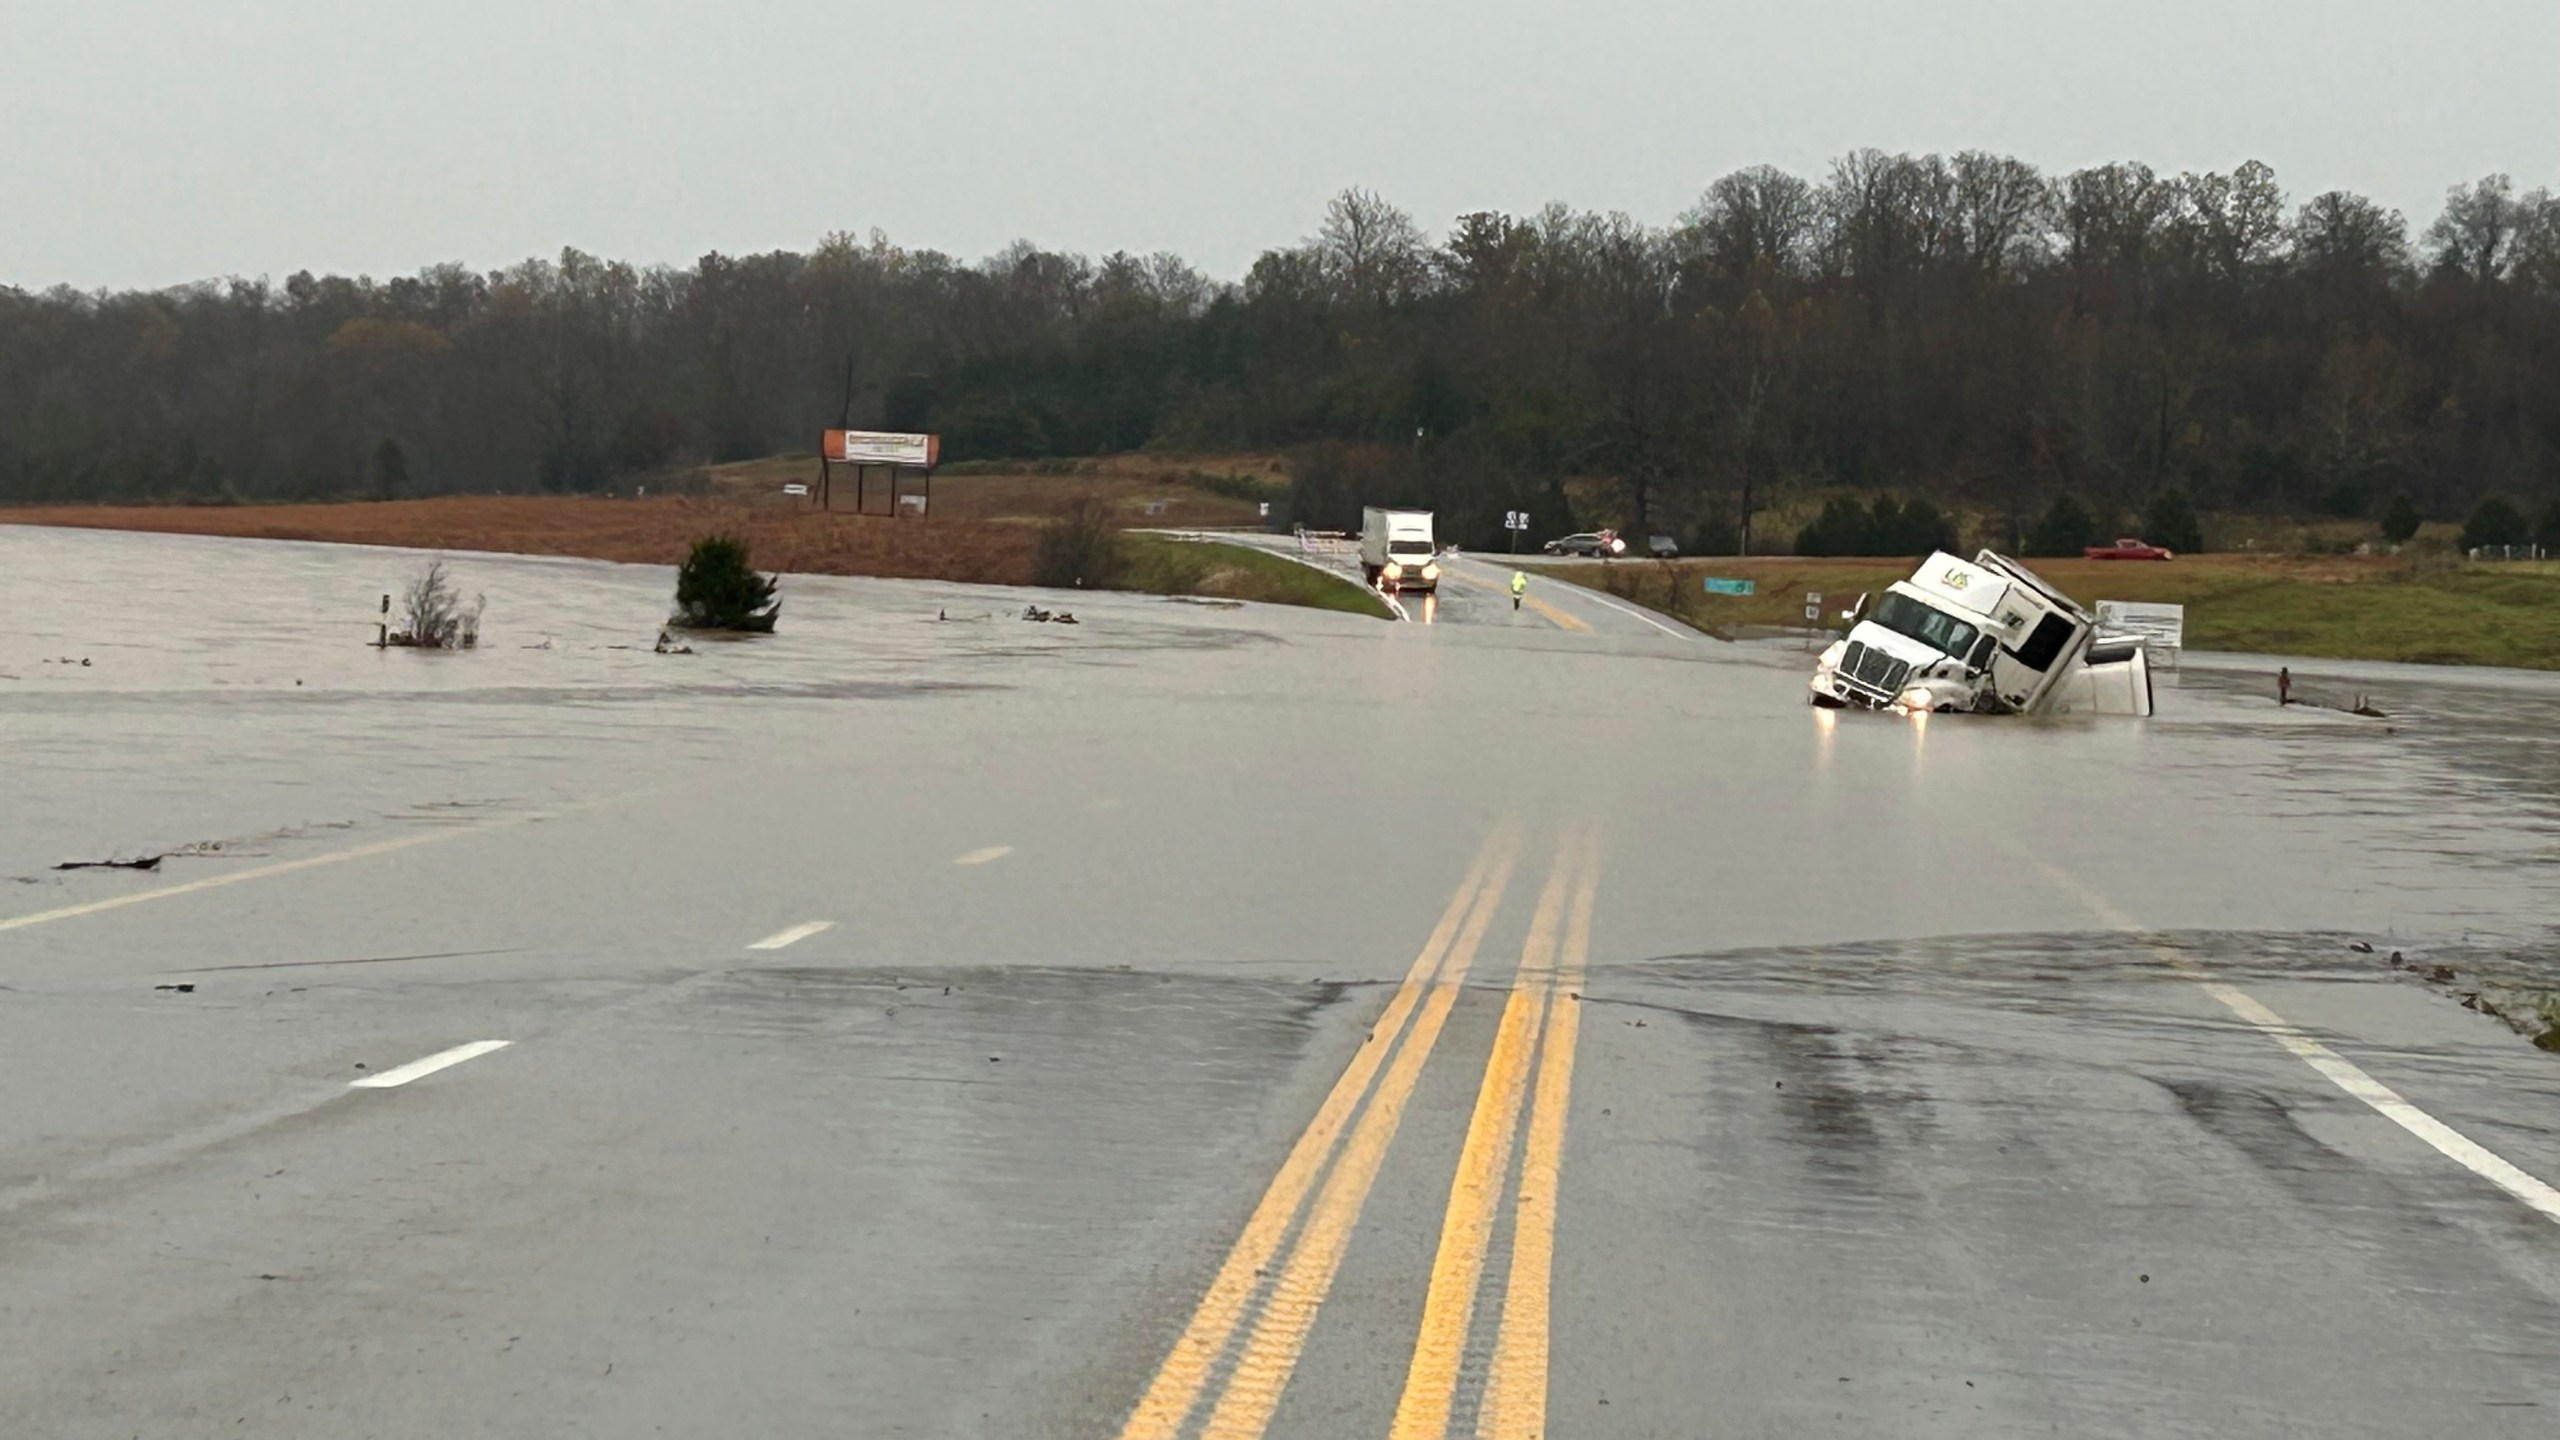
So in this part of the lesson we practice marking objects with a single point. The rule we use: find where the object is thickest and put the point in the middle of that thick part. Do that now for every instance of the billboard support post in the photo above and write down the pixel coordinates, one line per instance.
(866, 450)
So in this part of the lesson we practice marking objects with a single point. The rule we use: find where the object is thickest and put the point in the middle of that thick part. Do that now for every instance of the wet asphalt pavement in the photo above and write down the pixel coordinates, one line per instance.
(1228, 1021)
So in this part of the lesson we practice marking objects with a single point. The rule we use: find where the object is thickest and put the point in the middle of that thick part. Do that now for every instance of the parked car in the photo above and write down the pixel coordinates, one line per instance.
(1663, 547)
(1588, 543)
(2128, 548)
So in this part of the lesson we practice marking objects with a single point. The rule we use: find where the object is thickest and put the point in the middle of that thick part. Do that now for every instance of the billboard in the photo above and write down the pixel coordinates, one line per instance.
(881, 447)
(2162, 627)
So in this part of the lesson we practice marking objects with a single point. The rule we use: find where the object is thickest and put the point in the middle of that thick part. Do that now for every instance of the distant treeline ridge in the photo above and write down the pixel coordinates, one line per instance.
(1964, 330)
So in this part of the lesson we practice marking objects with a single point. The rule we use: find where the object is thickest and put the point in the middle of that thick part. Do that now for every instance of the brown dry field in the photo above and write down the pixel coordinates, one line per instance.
(980, 529)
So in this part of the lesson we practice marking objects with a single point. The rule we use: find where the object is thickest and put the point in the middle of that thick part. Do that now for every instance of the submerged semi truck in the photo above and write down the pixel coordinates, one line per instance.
(1397, 551)
(1985, 636)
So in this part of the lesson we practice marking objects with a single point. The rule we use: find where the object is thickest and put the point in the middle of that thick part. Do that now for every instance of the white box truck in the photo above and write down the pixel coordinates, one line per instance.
(1985, 636)
(1396, 549)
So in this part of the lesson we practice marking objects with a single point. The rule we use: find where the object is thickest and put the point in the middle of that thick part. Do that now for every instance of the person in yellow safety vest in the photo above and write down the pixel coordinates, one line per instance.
(1519, 587)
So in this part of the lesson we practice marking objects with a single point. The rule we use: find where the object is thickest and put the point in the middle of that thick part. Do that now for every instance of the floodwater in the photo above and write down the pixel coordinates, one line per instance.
(1897, 1108)
(166, 691)
(231, 700)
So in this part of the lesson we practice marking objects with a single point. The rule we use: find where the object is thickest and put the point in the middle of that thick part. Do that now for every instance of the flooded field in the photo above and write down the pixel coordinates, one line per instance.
(165, 691)
(229, 697)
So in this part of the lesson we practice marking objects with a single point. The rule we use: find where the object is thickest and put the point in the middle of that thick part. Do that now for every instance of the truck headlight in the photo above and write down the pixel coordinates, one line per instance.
(1393, 570)
(1430, 571)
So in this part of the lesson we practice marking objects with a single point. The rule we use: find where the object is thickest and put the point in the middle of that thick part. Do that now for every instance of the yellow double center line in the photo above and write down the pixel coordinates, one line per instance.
(1540, 1022)
(1538, 1028)
(1558, 618)
(1288, 1311)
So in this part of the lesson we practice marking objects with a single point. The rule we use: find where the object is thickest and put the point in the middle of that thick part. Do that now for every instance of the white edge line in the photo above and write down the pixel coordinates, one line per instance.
(259, 872)
(334, 857)
(2338, 1070)
(981, 857)
(2389, 1103)
(419, 1069)
(791, 936)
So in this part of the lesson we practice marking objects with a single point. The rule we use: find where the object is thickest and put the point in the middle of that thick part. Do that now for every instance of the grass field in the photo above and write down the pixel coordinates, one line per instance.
(2338, 607)
(1161, 565)
(1174, 489)
(984, 529)
(657, 530)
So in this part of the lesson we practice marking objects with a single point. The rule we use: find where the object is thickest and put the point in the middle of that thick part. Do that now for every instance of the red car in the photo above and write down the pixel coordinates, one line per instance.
(2128, 548)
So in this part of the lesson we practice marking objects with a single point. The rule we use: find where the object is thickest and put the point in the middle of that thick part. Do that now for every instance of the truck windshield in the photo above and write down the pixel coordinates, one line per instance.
(1934, 628)
(1408, 547)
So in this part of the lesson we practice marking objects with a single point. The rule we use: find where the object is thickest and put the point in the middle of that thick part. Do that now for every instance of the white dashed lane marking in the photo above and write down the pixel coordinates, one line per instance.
(792, 936)
(420, 1069)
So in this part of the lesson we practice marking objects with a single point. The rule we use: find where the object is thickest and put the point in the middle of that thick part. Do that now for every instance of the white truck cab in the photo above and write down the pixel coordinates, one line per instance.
(1984, 635)
(1396, 549)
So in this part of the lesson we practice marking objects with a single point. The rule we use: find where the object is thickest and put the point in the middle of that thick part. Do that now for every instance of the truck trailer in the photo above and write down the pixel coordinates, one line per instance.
(1986, 636)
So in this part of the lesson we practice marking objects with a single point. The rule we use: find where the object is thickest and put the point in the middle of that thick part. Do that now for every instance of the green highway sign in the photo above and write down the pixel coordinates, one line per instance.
(1727, 587)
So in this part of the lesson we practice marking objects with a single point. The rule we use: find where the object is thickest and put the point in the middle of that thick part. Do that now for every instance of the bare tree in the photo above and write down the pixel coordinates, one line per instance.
(1759, 218)
(2339, 230)
(2537, 245)
(1869, 227)
(1372, 250)
(2111, 215)
(2476, 234)
(2002, 209)
(432, 615)
(2237, 220)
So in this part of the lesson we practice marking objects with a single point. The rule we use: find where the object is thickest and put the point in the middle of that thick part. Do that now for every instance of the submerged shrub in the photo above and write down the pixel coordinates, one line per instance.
(718, 589)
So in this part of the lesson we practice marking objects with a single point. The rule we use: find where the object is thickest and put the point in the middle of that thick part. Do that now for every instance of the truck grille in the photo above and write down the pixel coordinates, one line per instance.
(1873, 671)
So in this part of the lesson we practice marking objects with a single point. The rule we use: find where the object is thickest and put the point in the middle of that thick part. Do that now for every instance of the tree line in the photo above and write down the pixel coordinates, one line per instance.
(1939, 331)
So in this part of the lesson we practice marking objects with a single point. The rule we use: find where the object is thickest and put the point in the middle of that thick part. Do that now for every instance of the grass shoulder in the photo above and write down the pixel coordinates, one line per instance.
(2441, 612)
(1165, 565)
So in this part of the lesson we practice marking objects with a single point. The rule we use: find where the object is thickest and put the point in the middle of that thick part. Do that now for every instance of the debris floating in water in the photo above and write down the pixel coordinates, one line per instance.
(144, 862)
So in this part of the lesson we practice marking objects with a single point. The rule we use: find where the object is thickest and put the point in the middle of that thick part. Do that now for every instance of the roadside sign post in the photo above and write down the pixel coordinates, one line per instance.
(868, 450)
(1812, 616)
(1515, 521)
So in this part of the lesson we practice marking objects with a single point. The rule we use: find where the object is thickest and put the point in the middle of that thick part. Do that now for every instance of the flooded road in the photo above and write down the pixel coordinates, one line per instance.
(1210, 1020)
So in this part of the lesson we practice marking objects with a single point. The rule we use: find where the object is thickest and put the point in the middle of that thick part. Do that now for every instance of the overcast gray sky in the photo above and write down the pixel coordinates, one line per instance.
(148, 142)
